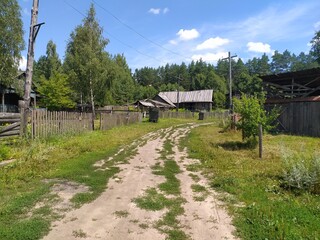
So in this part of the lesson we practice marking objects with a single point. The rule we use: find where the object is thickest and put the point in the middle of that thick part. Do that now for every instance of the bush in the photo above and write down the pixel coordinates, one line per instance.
(252, 113)
(4, 152)
(302, 173)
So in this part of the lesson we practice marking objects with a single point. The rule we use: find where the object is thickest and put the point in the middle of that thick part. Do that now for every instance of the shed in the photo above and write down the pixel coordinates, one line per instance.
(192, 100)
(297, 94)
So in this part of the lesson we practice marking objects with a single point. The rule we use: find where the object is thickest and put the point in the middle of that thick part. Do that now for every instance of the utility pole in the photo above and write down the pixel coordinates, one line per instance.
(178, 93)
(34, 29)
(229, 58)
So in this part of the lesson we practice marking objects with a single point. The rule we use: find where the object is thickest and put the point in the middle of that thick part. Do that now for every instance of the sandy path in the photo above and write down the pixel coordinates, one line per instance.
(114, 216)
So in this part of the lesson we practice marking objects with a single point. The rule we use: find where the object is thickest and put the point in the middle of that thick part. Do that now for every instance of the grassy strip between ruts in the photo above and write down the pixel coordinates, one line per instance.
(262, 209)
(69, 158)
(155, 201)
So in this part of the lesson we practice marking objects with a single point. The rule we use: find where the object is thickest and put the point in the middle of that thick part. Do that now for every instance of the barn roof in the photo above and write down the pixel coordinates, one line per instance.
(153, 103)
(293, 84)
(188, 97)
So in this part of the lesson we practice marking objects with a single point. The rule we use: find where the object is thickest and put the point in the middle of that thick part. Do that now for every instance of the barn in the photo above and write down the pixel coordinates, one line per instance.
(297, 94)
(200, 100)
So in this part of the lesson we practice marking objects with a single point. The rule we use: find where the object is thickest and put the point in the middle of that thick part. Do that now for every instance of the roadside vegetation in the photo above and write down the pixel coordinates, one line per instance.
(24, 183)
(273, 198)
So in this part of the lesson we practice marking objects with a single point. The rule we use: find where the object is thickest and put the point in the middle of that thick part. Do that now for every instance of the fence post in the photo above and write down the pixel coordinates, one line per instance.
(260, 141)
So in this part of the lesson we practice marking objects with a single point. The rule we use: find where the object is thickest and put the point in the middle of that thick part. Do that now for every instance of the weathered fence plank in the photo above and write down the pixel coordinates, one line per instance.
(299, 118)
(46, 123)
(111, 120)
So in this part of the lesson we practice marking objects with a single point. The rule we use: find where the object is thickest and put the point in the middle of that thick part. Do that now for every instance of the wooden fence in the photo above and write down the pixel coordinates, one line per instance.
(299, 118)
(170, 114)
(9, 125)
(110, 120)
(45, 123)
(215, 114)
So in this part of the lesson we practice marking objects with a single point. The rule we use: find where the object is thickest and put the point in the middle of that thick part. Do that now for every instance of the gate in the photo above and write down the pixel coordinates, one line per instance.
(9, 125)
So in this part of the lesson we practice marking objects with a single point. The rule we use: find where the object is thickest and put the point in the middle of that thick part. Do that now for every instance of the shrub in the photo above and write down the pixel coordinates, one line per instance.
(252, 113)
(4, 152)
(302, 173)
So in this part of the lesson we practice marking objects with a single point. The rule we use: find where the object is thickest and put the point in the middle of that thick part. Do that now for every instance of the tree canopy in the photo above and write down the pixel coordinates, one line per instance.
(11, 40)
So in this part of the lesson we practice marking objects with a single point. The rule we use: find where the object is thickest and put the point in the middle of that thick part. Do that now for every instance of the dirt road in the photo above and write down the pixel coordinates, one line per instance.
(191, 212)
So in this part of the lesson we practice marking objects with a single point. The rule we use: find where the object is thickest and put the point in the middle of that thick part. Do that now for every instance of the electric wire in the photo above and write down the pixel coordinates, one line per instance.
(136, 32)
(114, 37)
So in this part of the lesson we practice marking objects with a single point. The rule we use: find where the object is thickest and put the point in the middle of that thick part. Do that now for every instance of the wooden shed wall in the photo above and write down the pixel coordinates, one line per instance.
(299, 118)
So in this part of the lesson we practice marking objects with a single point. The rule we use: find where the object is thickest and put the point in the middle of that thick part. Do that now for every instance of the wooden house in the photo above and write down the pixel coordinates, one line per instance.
(200, 100)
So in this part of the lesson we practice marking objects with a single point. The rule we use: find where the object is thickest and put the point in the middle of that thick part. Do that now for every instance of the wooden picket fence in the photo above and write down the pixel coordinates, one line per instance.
(111, 120)
(207, 115)
(45, 123)
(170, 114)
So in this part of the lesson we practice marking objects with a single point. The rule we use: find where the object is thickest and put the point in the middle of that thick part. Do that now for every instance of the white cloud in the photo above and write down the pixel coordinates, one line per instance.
(155, 11)
(317, 26)
(173, 42)
(165, 10)
(210, 57)
(259, 47)
(213, 43)
(186, 35)
(23, 63)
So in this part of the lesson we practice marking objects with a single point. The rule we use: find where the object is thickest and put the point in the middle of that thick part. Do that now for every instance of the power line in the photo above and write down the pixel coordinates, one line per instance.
(139, 34)
(117, 39)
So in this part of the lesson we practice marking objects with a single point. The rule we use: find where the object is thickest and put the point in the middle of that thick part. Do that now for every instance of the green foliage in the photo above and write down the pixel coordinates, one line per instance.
(4, 152)
(56, 93)
(315, 46)
(301, 173)
(47, 65)
(86, 61)
(252, 113)
(11, 40)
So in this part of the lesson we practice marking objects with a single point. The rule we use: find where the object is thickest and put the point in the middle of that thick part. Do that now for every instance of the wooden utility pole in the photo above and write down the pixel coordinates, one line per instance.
(229, 58)
(25, 103)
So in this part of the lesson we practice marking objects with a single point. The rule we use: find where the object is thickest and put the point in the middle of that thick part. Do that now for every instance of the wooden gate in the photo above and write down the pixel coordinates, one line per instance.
(9, 125)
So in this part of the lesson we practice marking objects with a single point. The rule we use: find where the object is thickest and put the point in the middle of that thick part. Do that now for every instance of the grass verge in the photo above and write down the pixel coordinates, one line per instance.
(266, 211)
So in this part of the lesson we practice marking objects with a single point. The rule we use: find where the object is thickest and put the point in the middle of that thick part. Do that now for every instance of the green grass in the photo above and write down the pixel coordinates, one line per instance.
(269, 211)
(155, 201)
(68, 158)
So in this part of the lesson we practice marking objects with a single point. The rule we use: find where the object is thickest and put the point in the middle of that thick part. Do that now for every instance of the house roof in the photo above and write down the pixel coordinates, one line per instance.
(153, 103)
(188, 97)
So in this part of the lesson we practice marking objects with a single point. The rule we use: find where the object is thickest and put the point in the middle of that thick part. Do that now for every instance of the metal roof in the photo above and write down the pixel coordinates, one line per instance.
(188, 97)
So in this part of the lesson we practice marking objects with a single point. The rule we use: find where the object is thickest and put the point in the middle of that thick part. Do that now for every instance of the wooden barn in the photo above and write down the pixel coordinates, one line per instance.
(297, 94)
(200, 100)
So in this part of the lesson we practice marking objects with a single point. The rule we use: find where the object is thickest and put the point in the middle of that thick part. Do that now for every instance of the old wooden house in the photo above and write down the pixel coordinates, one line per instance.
(297, 94)
(200, 100)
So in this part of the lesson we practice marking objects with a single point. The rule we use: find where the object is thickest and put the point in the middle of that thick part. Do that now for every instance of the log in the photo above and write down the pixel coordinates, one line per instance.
(10, 127)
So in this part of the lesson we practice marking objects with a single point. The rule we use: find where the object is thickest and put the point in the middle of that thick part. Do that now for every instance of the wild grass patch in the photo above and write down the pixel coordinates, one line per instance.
(267, 210)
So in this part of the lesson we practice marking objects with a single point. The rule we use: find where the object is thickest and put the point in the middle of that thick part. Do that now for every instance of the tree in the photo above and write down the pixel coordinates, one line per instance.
(281, 62)
(55, 92)
(315, 46)
(123, 85)
(252, 113)
(11, 40)
(87, 61)
(47, 64)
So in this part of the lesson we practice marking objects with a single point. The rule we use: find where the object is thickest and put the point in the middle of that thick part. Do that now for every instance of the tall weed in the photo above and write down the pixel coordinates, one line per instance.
(301, 172)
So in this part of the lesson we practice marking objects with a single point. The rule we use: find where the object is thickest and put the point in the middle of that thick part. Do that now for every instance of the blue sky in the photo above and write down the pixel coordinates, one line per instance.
(155, 32)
